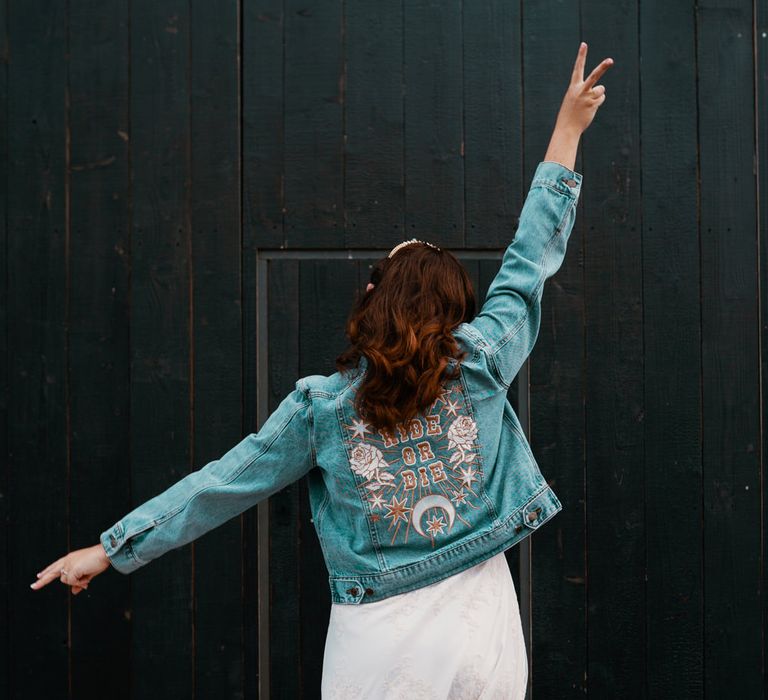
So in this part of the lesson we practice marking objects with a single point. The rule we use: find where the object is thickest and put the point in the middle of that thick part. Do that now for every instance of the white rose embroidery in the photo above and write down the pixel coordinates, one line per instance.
(461, 435)
(368, 461)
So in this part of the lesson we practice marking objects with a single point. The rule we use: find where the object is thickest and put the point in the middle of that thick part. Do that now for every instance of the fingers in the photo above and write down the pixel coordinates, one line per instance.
(47, 576)
(578, 68)
(53, 571)
(58, 564)
(66, 579)
(597, 73)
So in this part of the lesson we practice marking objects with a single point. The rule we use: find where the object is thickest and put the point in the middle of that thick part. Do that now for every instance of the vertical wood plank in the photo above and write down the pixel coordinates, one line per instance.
(493, 119)
(614, 405)
(284, 568)
(217, 330)
(5, 474)
(374, 197)
(314, 95)
(672, 350)
(263, 147)
(162, 393)
(37, 249)
(434, 167)
(557, 411)
(262, 183)
(730, 363)
(99, 332)
(761, 85)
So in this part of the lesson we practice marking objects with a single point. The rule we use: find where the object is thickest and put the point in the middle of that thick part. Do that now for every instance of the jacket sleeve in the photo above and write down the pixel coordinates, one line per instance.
(510, 317)
(259, 465)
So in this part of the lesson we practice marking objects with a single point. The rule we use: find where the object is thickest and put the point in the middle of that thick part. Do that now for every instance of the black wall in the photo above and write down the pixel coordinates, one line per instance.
(192, 192)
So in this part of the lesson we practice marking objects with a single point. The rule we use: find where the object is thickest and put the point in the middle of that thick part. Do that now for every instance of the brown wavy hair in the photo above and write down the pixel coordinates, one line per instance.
(403, 328)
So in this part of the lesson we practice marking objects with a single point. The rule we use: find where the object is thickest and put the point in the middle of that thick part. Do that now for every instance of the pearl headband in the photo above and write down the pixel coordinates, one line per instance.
(405, 243)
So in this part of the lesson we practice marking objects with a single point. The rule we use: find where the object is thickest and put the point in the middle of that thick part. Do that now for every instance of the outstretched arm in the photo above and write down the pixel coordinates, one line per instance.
(261, 464)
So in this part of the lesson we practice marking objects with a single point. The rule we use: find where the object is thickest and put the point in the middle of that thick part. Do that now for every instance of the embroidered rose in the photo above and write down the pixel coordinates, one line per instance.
(368, 461)
(461, 436)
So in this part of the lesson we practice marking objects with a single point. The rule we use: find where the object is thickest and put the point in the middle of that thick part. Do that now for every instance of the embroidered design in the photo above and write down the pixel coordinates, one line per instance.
(368, 461)
(424, 477)
(461, 435)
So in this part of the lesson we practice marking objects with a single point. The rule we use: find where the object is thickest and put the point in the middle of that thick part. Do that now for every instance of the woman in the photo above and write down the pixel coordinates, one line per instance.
(420, 476)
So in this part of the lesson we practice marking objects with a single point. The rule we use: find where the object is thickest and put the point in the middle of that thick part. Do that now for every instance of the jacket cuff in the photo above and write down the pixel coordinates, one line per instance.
(118, 550)
(555, 175)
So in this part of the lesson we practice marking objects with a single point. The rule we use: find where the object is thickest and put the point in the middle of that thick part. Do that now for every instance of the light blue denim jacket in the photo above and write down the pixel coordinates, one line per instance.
(395, 512)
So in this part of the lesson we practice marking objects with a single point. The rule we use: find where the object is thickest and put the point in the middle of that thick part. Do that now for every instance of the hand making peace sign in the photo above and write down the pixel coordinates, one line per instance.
(583, 96)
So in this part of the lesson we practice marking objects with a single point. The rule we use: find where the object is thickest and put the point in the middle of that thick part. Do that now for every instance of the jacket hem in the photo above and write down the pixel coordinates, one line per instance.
(370, 588)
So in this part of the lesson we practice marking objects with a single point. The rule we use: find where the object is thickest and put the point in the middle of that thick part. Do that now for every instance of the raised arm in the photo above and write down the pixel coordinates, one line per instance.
(510, 317)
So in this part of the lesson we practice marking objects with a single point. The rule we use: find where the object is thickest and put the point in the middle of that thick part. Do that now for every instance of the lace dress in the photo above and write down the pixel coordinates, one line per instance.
(460, 638)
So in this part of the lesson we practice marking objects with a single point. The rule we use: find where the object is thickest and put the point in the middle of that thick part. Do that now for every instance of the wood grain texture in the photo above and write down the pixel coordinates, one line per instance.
(99, 324)
(614, 429)
(262, 36)
(37, 249)
(374, 127)
(162, 658)
(730, 421)
(434, 168)
(5, 475)
(672, 351)
(761, 104)
(492, 141)
(313, 141)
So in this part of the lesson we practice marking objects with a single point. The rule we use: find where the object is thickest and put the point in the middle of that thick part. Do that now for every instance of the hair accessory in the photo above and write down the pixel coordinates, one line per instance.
(405, 243)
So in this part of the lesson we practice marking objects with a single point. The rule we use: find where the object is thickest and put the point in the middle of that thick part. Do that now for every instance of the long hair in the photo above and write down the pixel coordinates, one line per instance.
(403, 328)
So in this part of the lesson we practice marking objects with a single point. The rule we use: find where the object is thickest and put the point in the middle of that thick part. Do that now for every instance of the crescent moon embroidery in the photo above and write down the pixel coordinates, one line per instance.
(433, 501)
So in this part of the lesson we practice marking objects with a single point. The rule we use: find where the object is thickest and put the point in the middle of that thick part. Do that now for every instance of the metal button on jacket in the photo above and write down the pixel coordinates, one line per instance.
(112, 540)
(570, 182)
(534, 514)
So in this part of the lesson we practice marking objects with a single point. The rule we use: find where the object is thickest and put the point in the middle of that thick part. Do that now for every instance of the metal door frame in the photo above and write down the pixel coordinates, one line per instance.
(263, 256)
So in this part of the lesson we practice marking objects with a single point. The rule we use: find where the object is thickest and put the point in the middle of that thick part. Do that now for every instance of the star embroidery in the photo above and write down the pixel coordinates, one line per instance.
(451, 407)
(468, 476)
(436, 525)
(377, 502)
(459, 496)
(359, 428)
(397, 510)
(374, 518)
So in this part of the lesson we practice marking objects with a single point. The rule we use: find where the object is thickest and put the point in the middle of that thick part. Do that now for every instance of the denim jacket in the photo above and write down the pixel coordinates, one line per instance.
(395, 512)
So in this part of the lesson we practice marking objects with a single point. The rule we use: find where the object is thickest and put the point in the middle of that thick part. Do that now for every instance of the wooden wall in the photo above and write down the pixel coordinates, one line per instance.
(192, 194)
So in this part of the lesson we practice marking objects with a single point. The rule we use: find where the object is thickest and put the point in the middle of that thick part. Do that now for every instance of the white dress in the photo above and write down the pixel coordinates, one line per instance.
(460, 638)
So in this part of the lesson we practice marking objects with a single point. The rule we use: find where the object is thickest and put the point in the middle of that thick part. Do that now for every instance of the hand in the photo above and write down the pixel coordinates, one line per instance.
(583, 97)
(80, 567)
